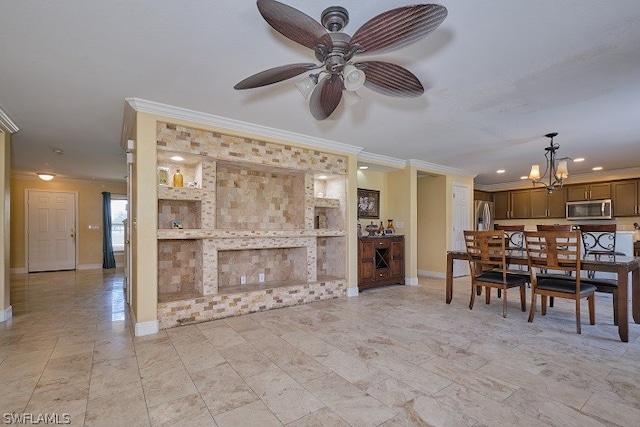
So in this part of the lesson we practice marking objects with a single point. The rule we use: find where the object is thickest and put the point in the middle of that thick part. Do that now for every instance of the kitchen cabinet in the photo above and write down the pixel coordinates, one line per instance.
(482, 195)
(380, 261)
(595, 191)
(626, 198)
(545, 205)
(514, 204)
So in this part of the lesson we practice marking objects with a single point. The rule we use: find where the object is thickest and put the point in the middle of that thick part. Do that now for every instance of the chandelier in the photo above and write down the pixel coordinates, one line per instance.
(557, 168)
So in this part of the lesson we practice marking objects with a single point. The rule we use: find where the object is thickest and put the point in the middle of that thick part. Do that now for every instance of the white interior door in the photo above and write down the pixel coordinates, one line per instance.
(51, 231)
(461, 221)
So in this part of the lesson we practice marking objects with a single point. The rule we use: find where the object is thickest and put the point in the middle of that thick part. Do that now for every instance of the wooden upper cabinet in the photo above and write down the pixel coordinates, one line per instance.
(502, 204)
(557, 204)
(539, 203)
(596, 191)
(512, 204)
(520, 204)
(626, 198)
(482, 195)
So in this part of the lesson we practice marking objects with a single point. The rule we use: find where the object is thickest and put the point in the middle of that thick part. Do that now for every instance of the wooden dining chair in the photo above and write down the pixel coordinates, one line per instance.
(557, 251)
(487, 260)
(553, 227)
(599, 240)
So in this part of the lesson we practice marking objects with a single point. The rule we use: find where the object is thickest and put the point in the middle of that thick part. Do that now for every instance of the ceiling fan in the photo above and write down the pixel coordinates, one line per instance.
(335, 51)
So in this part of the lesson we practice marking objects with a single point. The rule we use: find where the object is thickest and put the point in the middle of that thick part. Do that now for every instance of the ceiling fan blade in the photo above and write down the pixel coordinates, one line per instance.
(390, 79)
(275, 75)
(326, 97)
(294, 25)
(397, 28)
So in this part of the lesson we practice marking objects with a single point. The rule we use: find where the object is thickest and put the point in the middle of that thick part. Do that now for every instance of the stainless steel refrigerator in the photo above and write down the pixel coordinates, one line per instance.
(484, 212)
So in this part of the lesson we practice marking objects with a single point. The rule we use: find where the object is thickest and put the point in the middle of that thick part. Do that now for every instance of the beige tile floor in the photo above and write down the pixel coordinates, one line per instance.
(393, 356)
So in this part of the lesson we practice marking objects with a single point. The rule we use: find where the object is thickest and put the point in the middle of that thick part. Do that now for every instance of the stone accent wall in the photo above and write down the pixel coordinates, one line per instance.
(278, 265)
(251, 207)
(176, 313)
(188, 212)
(177, 266)
(232, 148)
(248, 199)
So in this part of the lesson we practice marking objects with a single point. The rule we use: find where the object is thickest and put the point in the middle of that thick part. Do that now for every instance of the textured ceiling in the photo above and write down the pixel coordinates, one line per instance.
(499, 75)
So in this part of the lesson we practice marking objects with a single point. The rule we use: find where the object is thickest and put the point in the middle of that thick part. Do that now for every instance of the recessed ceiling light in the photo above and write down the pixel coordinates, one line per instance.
(363, 167)
(177, 158)
(597, 168)
(322, 176)
(58, 151)
(579, 159)
(500, 171)
(524, 177)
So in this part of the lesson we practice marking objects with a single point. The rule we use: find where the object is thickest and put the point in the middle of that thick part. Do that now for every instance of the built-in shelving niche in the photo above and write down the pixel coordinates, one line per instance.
(331, 258)
(185, 214)
(179, 269)
(252, 197)
(280, 266)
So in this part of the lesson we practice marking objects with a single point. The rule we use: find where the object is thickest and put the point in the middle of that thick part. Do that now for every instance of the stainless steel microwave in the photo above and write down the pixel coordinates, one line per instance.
(589, 209)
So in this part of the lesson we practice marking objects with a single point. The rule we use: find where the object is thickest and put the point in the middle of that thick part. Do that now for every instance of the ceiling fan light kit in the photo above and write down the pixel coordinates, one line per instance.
(335, 51)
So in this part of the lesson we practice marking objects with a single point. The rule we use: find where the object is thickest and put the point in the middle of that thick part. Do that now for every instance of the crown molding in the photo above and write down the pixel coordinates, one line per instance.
(145, 106)
(7, 123)
(609, 175)
(432, 167)
(33, 177)
(378, 159)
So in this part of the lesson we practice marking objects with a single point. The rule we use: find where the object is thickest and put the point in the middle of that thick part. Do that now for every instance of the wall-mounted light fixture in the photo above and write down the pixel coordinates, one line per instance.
(45, 176)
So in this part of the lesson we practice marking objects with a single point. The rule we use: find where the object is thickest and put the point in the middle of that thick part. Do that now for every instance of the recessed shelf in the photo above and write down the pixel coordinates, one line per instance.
(179, 193)
(323, 202)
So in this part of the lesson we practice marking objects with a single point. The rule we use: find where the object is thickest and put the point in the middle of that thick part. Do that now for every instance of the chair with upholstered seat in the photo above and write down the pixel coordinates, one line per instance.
(599, 240)
(557, 251)
(487, 260)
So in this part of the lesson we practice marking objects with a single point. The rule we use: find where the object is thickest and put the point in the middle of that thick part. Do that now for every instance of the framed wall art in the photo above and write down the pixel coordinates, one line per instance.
(368, 203)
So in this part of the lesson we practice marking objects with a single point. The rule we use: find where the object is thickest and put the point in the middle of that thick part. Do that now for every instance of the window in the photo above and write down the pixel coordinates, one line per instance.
(118, 215)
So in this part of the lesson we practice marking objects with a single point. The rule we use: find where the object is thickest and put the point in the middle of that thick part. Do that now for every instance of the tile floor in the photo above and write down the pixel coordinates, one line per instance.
(393, 356)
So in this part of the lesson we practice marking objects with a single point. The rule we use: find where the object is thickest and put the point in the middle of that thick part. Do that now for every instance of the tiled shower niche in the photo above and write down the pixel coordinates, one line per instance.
(252, 208)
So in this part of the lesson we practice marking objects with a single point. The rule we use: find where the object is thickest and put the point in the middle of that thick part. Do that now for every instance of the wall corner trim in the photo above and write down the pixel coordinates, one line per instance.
(6, 314)
(147, 328)
(411, 281)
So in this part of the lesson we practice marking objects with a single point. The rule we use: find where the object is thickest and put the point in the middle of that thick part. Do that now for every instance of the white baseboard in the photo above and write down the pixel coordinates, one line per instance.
(88, 266)
(147, 328)
(434, 274)
(6, 314)
(144, 328)
(411, 281)
(352, 292)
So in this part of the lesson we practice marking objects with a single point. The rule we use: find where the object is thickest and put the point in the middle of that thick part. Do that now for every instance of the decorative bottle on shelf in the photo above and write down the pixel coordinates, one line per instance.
(390, 226)
(381, 229)
(177, 179)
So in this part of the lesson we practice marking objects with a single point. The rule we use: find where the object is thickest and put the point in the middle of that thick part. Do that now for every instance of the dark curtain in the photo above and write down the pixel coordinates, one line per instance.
(108, 260)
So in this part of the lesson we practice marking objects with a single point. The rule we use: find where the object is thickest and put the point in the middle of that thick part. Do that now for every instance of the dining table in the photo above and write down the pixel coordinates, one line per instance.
(621, 265)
